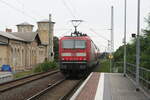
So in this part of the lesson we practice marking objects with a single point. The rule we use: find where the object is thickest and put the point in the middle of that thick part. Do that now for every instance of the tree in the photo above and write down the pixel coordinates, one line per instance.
(147, 30)
(56, 48)
(145, 45)
(131, 49)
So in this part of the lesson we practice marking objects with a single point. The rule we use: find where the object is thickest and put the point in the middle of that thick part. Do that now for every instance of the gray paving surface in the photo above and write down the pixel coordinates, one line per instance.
(118, 87)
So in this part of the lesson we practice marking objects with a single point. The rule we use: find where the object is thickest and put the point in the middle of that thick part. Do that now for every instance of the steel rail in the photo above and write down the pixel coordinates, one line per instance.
(71, 91)
(25, 79)
(46, 90)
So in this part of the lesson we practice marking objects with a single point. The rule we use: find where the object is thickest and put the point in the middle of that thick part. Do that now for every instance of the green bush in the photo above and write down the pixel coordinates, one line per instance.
(104, 66)
(43, 67)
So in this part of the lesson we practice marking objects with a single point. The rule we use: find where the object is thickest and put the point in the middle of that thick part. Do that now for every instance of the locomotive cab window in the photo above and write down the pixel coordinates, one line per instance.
(67, 44)
(74, 44)
(81, 44)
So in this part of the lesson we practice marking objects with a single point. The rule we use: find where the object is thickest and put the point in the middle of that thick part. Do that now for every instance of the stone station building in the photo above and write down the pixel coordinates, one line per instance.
(25, 48)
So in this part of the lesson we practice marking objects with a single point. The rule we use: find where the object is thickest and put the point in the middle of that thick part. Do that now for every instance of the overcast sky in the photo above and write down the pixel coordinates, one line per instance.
(95, 13)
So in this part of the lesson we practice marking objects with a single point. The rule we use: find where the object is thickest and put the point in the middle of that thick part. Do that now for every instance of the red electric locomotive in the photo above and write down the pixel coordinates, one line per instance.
(77, 54)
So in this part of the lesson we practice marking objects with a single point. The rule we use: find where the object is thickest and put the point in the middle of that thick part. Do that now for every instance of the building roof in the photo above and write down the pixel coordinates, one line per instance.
(24, 24)
(21, 36)
(10, 36)
(26, 36)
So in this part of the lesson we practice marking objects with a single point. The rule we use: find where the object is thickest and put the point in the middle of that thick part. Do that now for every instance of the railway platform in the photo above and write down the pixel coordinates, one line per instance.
(108, 86)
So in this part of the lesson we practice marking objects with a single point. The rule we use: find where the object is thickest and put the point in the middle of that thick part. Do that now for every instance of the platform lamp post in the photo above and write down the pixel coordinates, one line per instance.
(110, 55)
(111, 38)
(125, 53)
(138, 47)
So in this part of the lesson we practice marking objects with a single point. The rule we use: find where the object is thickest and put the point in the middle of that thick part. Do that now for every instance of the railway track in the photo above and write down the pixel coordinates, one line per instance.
(21, 89)
(21, 81)
(73, 90)
(60, 90)
(41, 93)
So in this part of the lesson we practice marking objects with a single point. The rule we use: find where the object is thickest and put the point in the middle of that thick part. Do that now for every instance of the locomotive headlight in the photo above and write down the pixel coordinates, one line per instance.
(84, 58)
(80, 54)
(63, 58)
(66, 54)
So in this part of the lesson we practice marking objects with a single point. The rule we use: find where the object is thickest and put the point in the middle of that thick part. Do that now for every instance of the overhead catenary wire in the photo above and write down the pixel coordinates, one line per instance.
(19, 2)
(92, 30)
(30, 11)
(18, 10)
(74, 9)
(98, 37)
(69, 9)
(96, 33)
(74, 16)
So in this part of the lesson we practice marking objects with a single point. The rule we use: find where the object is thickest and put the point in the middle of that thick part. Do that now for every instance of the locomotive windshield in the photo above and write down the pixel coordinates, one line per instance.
(80, 44)
(74, 44)
(68, 44)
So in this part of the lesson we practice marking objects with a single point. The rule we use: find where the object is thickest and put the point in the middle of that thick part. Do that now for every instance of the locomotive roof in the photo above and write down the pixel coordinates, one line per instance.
(77, 37)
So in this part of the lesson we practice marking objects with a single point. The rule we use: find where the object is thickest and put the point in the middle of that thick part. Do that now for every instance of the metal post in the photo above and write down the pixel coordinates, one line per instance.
(109, 50)
(112, 36)
(112, 29)
(138, 47)
(108, 46)
(110, 64)
(50, 50)
(125, 17)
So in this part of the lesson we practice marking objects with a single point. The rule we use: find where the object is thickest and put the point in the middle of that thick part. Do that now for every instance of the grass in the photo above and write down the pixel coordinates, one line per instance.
(43, 67)
(22, 74)
(104, 66)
